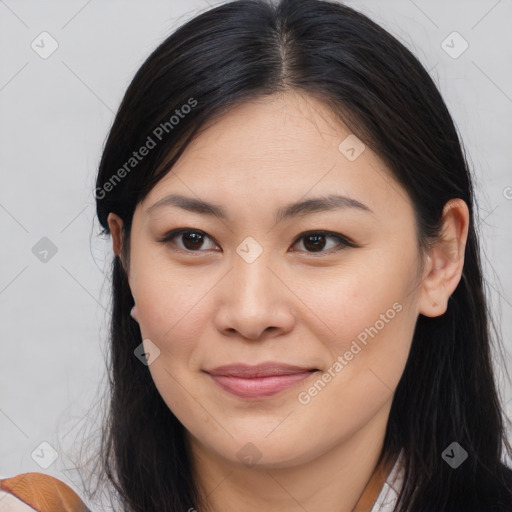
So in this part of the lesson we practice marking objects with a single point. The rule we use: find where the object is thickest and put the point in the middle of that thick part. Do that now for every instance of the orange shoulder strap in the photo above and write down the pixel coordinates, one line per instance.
(44, 493)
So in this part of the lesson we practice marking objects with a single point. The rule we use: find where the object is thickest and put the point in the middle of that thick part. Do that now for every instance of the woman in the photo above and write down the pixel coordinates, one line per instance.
(298, 316)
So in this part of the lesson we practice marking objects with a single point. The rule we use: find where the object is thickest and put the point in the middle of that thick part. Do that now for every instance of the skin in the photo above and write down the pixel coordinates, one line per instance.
(294, 303)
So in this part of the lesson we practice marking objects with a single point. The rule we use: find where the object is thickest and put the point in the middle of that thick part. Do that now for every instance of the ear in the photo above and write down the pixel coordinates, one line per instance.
(445, 260)
(115, 224)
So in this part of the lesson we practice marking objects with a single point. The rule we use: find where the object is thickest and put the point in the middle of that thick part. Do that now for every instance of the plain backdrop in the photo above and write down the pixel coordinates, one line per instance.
(55, 112)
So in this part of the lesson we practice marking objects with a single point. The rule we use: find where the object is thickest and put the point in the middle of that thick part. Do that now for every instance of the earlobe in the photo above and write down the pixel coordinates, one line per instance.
(445, 260)
(433, 298)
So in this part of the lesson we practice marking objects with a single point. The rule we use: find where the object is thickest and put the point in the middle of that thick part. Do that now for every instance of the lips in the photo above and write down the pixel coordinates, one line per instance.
(260, 370)
(259, 381)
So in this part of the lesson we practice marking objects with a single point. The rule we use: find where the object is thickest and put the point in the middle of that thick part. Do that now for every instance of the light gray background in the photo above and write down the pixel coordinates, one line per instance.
(55, 115)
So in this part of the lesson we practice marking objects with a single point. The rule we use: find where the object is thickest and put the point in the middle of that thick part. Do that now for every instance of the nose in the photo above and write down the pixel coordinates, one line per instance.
(255, 301)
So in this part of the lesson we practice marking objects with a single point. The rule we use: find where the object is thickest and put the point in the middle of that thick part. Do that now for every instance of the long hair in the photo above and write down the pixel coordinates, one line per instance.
(247, 49)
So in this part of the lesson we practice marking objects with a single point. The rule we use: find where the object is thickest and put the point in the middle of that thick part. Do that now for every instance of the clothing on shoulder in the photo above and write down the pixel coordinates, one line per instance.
(44, 493)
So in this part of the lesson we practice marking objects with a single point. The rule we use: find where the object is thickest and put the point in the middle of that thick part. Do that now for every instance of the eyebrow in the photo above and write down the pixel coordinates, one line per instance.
(308, 206)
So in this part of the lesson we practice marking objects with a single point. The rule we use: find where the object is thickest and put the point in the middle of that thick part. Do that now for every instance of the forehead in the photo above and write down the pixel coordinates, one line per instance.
(278, 148)
(281, 128)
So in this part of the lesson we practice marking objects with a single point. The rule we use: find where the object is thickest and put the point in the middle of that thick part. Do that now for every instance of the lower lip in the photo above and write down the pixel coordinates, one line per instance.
(259, 387)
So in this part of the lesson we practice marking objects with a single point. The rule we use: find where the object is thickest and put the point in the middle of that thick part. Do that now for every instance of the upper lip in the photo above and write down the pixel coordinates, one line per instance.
(260, 370)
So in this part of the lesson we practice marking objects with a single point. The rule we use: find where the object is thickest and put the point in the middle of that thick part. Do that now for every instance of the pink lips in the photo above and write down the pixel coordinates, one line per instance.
(259, 381)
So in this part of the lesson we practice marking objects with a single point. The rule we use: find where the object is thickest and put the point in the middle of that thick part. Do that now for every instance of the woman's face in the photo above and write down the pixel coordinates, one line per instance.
(253, 287)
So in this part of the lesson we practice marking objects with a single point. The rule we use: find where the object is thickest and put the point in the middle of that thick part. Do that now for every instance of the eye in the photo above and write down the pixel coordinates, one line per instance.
(192, 238)
(314, 241)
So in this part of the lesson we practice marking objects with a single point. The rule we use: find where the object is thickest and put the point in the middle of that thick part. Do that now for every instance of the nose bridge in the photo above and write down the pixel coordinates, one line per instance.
(255, 291)
(251, 272)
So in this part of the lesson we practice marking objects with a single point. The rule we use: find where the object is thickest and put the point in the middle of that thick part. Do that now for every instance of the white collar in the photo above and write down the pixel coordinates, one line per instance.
(389, 493)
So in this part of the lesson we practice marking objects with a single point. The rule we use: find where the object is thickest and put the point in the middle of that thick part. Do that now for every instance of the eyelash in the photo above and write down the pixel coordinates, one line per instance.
(344, 241)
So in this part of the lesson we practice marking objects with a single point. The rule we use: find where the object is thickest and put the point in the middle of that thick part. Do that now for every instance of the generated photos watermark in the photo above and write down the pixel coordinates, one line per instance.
(305, 397)
(152, 141)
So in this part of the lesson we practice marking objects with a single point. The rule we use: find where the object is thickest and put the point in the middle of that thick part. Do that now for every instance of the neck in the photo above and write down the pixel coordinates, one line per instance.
(343, 477)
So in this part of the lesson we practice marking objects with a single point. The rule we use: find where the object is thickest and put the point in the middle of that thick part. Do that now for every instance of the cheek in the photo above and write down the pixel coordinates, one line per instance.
(366, 360)
(365, 318)
(356, 303)
(167, 296)
(169, 311)
(171, 316)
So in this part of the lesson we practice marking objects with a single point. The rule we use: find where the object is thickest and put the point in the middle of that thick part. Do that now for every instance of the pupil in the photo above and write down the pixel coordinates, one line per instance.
(315, 244)
(196, 239)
